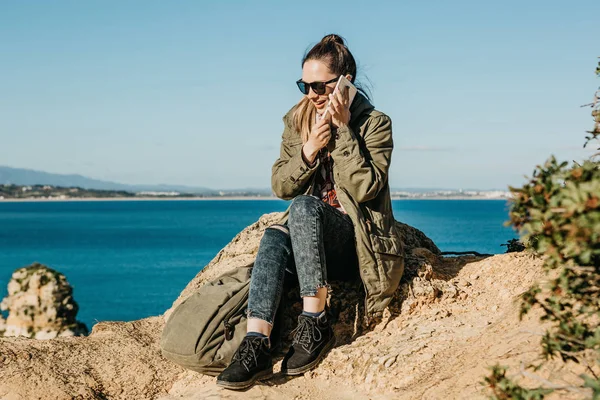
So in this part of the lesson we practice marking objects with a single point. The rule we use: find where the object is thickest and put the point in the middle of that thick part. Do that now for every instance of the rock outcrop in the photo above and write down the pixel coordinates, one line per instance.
(450, 319)
(243, 248)
(40, 305)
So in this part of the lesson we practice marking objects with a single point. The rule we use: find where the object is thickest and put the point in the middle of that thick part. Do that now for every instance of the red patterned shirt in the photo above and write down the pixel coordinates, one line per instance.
(324, 185)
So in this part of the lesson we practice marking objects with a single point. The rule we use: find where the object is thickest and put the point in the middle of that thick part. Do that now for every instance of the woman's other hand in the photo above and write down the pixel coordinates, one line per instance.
(318, 138)
(339, 108)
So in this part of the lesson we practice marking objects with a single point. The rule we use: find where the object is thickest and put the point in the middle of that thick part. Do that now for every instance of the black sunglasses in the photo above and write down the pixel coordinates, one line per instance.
(317, 87)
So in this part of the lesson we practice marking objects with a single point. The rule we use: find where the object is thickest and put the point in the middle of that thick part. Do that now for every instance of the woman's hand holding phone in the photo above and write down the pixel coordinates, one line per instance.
(318, 138)
(339, 108)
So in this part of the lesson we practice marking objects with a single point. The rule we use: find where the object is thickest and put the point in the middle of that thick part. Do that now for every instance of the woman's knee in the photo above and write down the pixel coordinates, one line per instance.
(303, 207)
(276, 234)
(275, 239)
(278, 227)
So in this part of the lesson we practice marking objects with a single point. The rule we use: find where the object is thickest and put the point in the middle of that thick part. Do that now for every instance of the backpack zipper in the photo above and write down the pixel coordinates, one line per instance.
(229, 328)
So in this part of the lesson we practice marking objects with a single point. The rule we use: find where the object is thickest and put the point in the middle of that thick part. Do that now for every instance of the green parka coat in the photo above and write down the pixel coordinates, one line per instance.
(361, 154)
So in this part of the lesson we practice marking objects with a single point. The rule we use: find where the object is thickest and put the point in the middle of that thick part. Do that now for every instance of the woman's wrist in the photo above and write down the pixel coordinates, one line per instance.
(309, 154)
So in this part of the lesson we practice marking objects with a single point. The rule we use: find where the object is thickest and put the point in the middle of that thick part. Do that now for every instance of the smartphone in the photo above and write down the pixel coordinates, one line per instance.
(342, 84)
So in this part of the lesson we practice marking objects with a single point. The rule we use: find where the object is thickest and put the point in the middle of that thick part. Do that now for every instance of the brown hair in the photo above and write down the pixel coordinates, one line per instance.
(333, 51)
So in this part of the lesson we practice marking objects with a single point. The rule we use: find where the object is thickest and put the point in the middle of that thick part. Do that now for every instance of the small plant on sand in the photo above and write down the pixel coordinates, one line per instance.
(514, 246)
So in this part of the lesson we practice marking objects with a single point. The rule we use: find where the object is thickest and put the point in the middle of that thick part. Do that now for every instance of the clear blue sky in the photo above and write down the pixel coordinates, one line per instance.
(192, 92)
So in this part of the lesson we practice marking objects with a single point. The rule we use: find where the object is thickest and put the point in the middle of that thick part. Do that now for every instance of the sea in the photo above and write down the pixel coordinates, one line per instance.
(130, 259)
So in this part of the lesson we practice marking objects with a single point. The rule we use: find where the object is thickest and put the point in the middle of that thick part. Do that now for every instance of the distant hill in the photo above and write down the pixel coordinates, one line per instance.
(20, 176)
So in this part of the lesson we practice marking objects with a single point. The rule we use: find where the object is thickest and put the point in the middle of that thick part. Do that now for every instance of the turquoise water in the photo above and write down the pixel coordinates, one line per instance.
(130, 259)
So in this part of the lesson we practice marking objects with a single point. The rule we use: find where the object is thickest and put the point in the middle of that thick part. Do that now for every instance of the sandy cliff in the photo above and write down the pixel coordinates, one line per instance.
(451, 318)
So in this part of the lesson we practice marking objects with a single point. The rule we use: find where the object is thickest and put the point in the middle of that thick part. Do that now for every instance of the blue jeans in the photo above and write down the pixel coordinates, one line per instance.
(316, 244)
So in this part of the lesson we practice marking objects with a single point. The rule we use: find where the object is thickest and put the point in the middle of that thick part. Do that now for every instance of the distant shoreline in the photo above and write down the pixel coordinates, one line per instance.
(236, 198)
(451, 198)
(83, 199)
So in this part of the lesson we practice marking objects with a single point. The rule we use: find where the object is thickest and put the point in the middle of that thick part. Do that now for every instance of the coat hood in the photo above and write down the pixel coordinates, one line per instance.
(360, 105)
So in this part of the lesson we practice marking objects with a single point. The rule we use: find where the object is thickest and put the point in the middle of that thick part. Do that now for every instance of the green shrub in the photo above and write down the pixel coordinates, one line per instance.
(560, 208)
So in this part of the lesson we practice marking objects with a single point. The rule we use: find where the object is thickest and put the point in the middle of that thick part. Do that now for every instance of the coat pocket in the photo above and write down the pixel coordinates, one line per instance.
(391, 245)
(389, 253)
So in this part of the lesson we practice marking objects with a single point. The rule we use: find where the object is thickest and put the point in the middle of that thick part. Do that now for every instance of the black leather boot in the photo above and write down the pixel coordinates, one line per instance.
(251, 362)
(313, 338)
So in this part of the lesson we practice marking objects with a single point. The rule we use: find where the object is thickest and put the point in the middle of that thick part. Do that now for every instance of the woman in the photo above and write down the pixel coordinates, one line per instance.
(339, 224)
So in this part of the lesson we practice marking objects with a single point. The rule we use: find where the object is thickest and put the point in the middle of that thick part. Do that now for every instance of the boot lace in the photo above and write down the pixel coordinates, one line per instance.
(306, 333)
(247, 353)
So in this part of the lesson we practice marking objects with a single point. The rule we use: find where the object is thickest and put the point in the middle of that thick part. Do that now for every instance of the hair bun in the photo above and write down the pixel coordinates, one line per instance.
(333, 38)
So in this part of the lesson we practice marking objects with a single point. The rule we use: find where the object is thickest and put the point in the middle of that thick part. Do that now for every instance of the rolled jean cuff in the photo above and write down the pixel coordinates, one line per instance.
(313, 292)
(257, 315)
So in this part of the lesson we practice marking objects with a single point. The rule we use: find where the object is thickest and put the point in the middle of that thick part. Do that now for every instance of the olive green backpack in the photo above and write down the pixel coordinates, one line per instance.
(205, 330)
